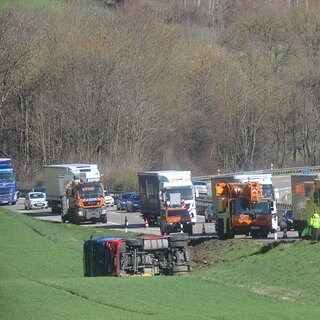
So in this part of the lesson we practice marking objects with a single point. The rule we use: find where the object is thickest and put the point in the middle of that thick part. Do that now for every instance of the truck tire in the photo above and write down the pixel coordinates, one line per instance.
(255, 235)
(104, 219)
(134, 242)
(178, 244)
(180, 270)
(76, 220)
(230, 235)
(189, 230)
(221, 234)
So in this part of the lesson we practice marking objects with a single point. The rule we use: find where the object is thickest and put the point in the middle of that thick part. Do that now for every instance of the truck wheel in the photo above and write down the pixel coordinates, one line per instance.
(104, 219)
(230, 235)
(189, 230)
(254, 235)
(221, 234)
(76, 220)
(180, 270)
(135, 242)
(178, 244)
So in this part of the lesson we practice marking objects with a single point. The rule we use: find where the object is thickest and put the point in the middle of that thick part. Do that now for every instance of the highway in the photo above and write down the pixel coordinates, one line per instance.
(116, 221)
(283, 184)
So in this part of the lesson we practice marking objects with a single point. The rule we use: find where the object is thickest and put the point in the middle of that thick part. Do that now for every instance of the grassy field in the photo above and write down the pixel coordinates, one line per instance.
(41, 277)
(31, 3)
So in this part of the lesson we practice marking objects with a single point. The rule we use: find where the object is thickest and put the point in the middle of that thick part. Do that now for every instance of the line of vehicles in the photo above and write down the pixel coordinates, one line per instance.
(166, 198)
(237, 204)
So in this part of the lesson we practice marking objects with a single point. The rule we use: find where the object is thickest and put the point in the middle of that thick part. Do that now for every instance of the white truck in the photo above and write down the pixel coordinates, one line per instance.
(267, 189)
(158, 188)
(75, 191)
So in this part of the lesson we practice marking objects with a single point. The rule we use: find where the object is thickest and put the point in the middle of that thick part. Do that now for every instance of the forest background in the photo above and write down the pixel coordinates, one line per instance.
(200, 85)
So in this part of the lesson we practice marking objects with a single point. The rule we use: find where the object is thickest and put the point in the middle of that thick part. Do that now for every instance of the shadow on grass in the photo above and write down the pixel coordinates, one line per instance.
(272, 245)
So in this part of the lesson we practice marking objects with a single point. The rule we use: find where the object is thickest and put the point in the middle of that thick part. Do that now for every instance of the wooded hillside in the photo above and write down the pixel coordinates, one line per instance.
(185, 84)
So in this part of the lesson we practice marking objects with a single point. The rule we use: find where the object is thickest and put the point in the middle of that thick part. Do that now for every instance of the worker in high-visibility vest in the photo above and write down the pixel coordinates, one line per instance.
(315, 225)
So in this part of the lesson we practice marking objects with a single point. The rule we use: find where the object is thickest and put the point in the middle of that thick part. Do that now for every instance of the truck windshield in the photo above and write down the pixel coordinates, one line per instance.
(186, 193)
(240, 207)
(90, 191)
(7, 177)
(178, 213)
(268, 191)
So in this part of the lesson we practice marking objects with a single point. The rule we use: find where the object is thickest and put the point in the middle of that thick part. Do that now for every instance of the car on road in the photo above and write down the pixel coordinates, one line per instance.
(286, 221)
(133, 203)
(35, 200)
(208, 213)
(109, 201)
(122, 200)
(201, 186)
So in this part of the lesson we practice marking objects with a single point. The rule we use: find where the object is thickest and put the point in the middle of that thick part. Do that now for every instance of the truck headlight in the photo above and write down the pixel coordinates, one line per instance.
(80, 213)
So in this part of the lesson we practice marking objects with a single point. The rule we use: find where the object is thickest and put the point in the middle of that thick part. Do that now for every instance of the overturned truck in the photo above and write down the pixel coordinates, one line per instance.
(154, 255)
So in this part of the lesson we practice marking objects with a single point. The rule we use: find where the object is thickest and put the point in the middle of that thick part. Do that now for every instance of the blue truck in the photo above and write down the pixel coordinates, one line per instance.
(8, 184)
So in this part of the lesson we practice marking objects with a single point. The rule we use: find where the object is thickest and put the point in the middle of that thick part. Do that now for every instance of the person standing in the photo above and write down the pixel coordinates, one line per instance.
(315, 225)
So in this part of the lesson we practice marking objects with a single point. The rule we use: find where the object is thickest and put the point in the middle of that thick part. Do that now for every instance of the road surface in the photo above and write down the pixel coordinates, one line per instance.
(116, 221)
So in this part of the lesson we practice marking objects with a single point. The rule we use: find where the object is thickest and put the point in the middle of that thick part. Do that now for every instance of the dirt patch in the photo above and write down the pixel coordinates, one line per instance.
(205, 253)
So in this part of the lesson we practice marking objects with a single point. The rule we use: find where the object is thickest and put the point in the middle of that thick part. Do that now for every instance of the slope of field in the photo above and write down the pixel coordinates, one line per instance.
(41, 277)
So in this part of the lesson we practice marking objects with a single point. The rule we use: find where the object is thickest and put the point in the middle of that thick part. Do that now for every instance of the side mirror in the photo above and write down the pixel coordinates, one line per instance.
(271, 205)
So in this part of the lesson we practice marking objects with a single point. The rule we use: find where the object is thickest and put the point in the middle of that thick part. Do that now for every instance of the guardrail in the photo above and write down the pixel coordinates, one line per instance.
(278, 172)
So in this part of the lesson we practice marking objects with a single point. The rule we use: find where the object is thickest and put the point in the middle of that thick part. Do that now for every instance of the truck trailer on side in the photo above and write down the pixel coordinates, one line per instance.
(76, 192)
(8, 183)
(149, 256)
(158, 188)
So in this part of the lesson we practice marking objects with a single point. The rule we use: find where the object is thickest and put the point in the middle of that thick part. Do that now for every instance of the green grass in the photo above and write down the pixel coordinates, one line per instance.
(4, 4)
(41, 277)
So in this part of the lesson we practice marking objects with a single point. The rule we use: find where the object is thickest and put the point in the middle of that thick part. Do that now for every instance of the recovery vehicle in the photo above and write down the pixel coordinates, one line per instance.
(242, 210)
(84, 202)
(76, 192)
(154, 255)
(267, 188)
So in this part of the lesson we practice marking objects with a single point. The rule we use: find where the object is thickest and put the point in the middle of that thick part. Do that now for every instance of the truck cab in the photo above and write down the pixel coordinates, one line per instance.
(175, 220)
(242, 210)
